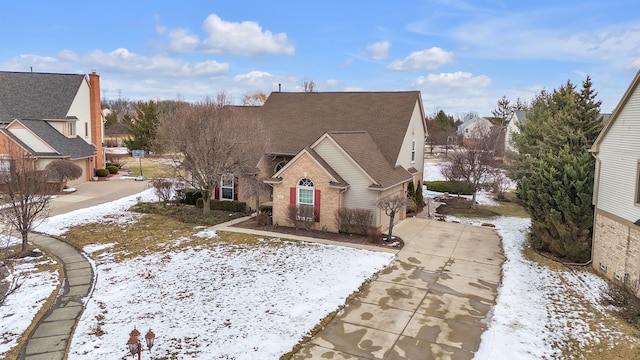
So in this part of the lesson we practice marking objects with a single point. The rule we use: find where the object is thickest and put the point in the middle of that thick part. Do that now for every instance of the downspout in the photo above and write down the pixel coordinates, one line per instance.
(594, 197)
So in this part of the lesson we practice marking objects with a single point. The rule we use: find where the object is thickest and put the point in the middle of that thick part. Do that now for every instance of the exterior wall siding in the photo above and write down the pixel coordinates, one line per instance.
(616, 250)
(619, 156)
(358, 196)
(415, 132)
(81, 108)
(31, 140)
(330, 199)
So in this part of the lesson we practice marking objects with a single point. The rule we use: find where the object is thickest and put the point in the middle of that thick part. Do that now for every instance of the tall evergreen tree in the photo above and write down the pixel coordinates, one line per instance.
(554, 170)
(143, 129)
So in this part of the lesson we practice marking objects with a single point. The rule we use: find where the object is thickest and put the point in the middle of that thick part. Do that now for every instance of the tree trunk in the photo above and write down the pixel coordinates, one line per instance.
(25, 241)
(391, 217)
(206, 203)
(473, 200)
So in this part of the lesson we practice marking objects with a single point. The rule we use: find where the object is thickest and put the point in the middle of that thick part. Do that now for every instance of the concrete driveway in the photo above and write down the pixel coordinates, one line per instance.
(430, 304)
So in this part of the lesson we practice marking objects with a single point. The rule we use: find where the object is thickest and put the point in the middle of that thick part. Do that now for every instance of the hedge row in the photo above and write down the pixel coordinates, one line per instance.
(233, 206)
(451, 187)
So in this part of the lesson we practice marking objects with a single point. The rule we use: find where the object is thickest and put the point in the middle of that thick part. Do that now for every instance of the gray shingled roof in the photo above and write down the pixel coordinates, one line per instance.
(26, 95)
(298, 119)
(74, 147)
(359, 145)
(340, 182)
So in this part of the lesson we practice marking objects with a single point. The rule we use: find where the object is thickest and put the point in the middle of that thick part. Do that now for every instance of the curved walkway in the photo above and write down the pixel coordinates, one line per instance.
(52, 335)
(51, 338)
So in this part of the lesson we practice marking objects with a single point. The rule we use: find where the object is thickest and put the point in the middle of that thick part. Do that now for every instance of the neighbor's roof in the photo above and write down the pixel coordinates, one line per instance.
(74, 147)
(26, 95)
(359, 145)
(298, 119)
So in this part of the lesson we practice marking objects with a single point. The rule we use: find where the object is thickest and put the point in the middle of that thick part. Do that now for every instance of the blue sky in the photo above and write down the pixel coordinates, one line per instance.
(462, 55)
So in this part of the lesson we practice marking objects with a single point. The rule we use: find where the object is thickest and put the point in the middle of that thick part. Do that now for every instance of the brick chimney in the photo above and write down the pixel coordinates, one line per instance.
(96, 119)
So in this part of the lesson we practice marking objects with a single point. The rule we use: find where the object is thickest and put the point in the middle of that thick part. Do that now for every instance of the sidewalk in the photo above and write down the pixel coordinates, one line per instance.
(51, 337)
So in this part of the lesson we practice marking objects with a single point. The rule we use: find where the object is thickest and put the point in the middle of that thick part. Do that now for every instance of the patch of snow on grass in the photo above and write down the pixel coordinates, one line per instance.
(114, 212)
(221, 301)
(20, 307)
(207, 234)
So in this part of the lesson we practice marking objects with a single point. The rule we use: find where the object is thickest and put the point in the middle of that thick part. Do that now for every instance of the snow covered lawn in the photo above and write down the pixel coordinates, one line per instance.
(38, 280)
(212, 299)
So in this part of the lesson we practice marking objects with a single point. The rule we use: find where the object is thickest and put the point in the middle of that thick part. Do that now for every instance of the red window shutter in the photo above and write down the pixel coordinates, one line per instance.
(235, 188)
(216, 193)
(316, 206)
(292, 196)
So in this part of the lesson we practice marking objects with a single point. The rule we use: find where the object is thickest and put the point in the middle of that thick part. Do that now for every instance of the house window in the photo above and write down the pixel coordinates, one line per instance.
(305, 198)
(413, 151)
(71, 129)
(6, 164)
(226, 187)
(86, 129)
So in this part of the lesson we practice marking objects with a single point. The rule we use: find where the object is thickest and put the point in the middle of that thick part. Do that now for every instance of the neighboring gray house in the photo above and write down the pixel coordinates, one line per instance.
(46, 116)
(616, 195)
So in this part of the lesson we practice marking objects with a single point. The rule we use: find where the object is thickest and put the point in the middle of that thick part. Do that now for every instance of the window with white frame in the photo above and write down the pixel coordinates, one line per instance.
(6, 162)
(71, 128)
(305, 199)
(413, 151)
(226, 187)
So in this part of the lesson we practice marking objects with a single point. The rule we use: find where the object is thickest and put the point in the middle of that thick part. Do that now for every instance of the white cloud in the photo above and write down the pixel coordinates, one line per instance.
(123, 60)
(423, 60)
(252, 76)
(182, 40)
(457, 79)
(243, 38)
(379, 50)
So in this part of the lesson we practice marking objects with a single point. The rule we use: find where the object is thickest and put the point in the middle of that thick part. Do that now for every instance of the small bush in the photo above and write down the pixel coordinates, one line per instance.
(268, 209)
(451, 187)
(112, 169)
(188, 196)
(102, 172)
(374, 234)
(353, 220)
(263, 219)
(362, 219)
(114, 164)
(163, 188)
(343, 219)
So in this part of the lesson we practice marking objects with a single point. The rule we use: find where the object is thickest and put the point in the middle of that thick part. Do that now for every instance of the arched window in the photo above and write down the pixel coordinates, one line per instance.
(305, 198)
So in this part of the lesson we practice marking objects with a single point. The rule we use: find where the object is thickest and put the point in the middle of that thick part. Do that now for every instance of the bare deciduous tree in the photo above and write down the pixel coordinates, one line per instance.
(472, 163)
(209, 139)
(392, 205)
(309, 86)
(255, 99)
(26, 196)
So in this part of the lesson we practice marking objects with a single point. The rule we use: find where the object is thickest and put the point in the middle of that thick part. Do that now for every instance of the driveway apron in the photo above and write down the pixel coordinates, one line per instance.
(431, 303)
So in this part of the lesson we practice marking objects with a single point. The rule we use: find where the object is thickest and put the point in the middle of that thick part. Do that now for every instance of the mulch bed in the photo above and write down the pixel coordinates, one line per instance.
(318, 234)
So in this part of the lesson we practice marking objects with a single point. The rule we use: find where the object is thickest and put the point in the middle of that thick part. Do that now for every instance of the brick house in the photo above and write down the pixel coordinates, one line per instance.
(616, 196)
(340, 150)
(45, 117)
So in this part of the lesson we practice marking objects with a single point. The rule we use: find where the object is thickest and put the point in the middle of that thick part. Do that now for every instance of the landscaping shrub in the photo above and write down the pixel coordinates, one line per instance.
(268, 209)
(102, 172)
(118, 165)
(343, 219)
(232, 206)
(451, 187)
(362, 219)
(188, 196)
(112, 169)
(353, 220)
